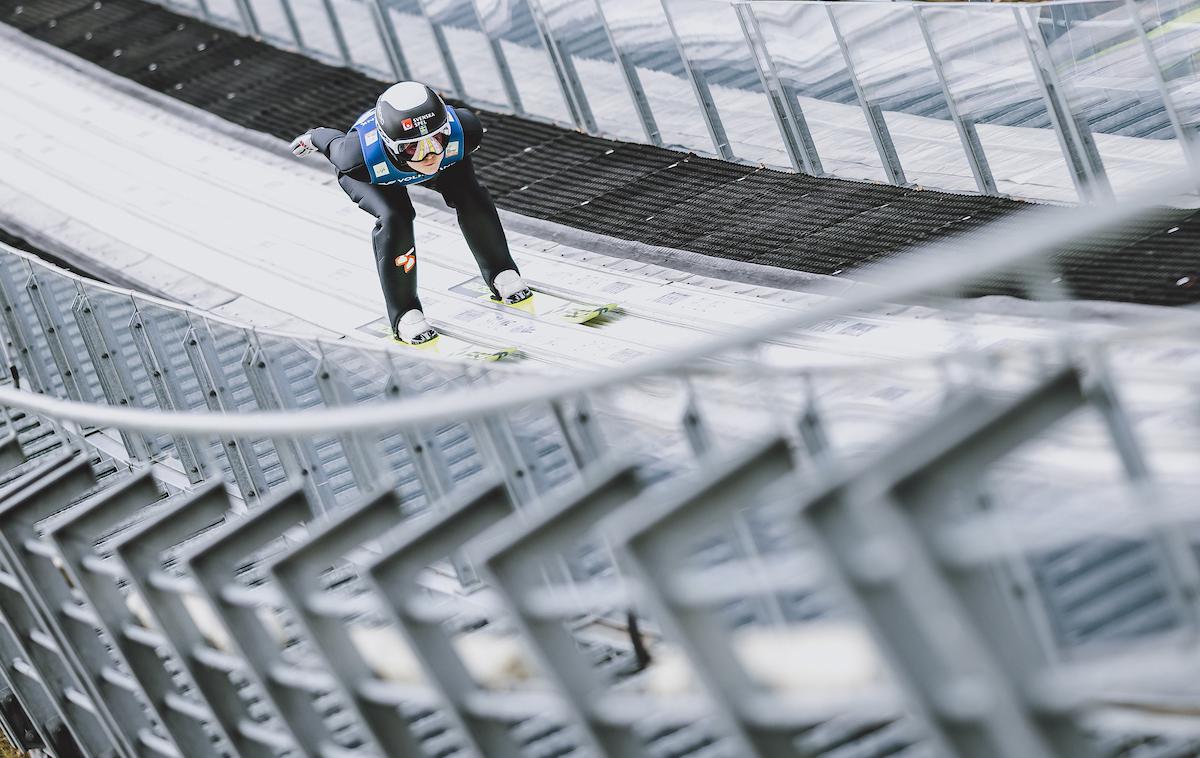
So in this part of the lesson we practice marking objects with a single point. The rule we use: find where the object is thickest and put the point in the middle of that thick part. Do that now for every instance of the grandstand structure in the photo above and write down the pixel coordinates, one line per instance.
(797, 497)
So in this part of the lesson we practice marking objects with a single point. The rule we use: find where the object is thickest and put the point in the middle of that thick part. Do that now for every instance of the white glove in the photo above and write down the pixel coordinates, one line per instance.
(303, 145)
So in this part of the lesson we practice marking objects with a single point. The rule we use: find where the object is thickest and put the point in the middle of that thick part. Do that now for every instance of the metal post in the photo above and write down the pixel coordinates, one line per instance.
(216, 675)
(169, 602)
(577, 428)
(1184, 136)
(876, 124)
(1179, 561)
(139, 648)
(968, 657)
(1074, 137)
(362, 453)
(443, 46)
(120, 698)
(214, 385)
(166, 391)
(45, 727)
(659, 534)
(423, 448)
(387, 35)
(708, 108)
(633, 82)
(564, 70)
(393, 575)
(498, 446)
(20, 335)
(249, 20)
(205, 13)
(339, 36)
(297, 573)
(19, 728)
(501, 60)
(789, 117)
(113, 372)
(61, 481)
(297, 455)
(517, 561)
(976, 157)
(289, 16)
(214, 567)
(46, 721)
(50, 318)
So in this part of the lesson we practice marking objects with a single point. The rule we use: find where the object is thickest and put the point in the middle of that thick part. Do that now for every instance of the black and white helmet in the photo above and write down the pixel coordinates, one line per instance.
(407, 113)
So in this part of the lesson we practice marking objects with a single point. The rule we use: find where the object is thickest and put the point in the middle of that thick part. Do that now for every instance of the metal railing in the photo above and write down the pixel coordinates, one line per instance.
(216, 540)
(1060, 101)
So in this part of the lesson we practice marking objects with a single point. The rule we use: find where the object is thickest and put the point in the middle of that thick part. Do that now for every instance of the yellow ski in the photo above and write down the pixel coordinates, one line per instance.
(541, 305)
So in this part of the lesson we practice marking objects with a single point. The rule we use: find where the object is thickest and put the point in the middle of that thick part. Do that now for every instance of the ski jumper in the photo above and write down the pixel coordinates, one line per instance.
(379, 187)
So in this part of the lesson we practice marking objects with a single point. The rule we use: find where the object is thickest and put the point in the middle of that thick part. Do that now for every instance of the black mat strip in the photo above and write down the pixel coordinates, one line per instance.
(635, 192)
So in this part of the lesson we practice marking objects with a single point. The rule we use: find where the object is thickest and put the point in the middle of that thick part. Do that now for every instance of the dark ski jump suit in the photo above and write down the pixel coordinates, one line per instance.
(388, 202)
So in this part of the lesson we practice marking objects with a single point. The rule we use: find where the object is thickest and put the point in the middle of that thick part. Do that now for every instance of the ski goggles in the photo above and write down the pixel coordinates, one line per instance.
(419, 149)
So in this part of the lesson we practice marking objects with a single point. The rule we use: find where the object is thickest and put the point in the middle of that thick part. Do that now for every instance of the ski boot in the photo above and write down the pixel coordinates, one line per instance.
(413, 330)
(512, 290)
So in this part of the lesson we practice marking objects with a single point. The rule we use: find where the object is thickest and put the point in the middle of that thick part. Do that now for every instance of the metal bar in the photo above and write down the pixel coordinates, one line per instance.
(966, 658)
(249, 20)
(443, 46)
(214, 567)
(1074, 137)
(1186, 142)
(150, 681)
(298, 572)
(564, 70)
(19, 728)
(516, 561)
(708, 108)
(876, 124)
(362, 454)
(30, 718)
(166, 391)
(579, 441)
(45, 719)
(59, 481)
(50, 318)
(789, 117)
(116, 382)
(501, 60)
(976, 157)
(75, 538)
(205, 11)
(393, 575)
(423, 448)
(633, 81)
(141, 553)
(335, 26)
(659, 536)
(289, 16)
(297, 455)
(214, 385)
(387, 36)
(1179, 561)
(20, 336)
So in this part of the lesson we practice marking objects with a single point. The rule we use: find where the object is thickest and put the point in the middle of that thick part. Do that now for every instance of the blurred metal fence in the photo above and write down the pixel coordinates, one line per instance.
(711, 554)
(1055, 100)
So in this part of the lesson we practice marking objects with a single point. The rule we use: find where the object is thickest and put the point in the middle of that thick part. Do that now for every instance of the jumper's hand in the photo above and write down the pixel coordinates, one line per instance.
(303, 145)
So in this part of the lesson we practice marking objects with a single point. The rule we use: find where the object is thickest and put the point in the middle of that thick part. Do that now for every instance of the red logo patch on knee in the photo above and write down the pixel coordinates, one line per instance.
(407, 261)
